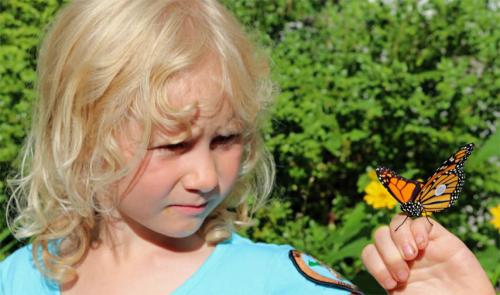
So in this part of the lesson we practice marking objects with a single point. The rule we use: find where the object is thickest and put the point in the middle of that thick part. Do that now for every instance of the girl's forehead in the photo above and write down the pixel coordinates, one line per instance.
(204, 122)
(210, 103)
(198, 97)
(200, 84)
(216, 118)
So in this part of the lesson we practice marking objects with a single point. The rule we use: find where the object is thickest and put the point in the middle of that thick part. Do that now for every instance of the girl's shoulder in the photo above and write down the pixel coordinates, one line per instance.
(277, 269)
(19, 275)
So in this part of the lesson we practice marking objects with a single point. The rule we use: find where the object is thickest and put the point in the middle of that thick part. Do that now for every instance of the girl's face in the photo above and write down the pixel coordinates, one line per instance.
(178, 184)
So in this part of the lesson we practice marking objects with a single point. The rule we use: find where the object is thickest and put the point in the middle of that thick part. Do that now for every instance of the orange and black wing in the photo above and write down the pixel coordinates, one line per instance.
(402, 189)
(442, 192)
(455, 161)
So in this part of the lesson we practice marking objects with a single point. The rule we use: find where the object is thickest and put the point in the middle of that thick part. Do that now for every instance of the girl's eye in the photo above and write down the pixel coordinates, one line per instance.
(222, 140)
(175, 147)
(184, 146)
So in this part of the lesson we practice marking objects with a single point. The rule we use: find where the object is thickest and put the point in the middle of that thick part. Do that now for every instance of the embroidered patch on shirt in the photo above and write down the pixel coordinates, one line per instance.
(319, 273)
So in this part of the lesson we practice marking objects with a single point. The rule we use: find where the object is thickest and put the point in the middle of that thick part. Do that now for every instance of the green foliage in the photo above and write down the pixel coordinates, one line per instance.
(490, 260)
(363, 84)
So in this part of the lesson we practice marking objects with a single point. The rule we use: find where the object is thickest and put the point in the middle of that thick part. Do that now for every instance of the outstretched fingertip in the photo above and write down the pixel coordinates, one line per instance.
(421, 229)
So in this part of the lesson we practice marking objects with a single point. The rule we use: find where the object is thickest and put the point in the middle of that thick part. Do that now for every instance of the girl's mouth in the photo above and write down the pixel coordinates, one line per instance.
(189, 209)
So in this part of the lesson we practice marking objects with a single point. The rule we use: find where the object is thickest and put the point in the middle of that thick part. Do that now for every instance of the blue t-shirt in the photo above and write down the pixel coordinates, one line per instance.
(236, 266)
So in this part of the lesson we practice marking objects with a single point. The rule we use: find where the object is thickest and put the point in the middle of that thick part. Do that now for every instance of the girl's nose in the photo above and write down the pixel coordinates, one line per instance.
(202, 173)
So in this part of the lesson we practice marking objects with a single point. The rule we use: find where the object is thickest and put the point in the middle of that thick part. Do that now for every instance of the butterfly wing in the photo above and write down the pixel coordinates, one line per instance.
(443, 191)
(402, 189)
(453, 162)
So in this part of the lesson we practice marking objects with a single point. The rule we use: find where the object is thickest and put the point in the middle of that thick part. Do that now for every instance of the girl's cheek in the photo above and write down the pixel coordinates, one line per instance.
(229, 163)
(235, 158)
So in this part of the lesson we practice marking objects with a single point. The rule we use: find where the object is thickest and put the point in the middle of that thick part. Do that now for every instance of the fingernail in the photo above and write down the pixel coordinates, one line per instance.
(390, 284)
(402, 275)
(408, 251)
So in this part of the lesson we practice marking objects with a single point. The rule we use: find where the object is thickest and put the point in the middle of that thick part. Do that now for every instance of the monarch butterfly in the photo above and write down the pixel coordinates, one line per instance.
(439, 192)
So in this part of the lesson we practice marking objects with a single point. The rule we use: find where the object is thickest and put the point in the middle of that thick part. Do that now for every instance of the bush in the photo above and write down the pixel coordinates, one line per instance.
(363, 84)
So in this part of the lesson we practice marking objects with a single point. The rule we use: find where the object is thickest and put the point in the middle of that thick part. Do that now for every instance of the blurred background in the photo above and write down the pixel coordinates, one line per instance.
(401, 84)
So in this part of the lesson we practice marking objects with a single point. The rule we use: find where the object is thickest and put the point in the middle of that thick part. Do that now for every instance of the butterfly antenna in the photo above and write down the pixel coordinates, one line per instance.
(401, 224)
(427, 214)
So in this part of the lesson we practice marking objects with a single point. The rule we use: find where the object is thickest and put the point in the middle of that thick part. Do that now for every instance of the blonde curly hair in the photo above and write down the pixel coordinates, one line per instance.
(103, 64)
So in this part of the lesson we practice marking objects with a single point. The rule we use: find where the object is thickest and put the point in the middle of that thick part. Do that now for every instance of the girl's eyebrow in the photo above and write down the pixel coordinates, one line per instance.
(231, 125)
(173, 136)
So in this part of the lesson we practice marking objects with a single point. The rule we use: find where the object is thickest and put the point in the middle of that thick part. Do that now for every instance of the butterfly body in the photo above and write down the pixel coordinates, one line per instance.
(412, 209)
(439, 192)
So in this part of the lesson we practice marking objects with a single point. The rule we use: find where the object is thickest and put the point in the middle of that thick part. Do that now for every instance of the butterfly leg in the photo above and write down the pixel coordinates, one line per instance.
(426, 214)
(401, 223)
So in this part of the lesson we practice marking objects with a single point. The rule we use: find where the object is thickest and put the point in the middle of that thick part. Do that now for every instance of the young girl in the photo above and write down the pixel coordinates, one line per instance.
(144, 147)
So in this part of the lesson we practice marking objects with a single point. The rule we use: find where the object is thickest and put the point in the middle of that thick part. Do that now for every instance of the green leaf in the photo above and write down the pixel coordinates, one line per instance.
(352, 226)
(489, 149)
(352, 249)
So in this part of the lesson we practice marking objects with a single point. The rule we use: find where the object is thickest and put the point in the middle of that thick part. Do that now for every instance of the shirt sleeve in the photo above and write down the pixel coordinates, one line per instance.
(6, 274)
(2, 278)
(19, 275)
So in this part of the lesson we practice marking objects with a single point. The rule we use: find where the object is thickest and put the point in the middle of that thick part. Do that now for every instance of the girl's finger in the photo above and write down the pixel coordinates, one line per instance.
(403, 237)
(390, 254)
(376, 267)
(420, 229)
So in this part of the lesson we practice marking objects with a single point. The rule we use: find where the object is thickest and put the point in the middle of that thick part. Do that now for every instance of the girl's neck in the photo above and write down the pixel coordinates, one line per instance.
(124, 237)
(147, 262)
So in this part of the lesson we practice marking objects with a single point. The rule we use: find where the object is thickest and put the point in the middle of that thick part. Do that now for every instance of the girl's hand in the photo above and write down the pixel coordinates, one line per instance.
(423, 259)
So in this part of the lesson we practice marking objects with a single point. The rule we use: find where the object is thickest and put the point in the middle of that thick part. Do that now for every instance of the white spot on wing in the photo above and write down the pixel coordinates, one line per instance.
(440, 189)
